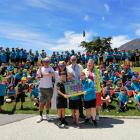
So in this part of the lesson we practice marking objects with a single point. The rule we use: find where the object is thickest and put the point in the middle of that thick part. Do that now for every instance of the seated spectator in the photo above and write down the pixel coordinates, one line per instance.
(2, 93)
(137, 100)
(135, 85)
(106, 96)
(123, 99)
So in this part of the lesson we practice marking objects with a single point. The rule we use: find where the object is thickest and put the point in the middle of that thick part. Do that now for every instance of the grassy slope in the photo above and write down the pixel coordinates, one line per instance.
(30, 109)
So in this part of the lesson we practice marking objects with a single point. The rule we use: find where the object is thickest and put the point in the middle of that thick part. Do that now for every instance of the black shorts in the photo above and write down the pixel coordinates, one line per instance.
(90, 104)
(74, 104)
(20, 97)
(61, 103)
(1, 100)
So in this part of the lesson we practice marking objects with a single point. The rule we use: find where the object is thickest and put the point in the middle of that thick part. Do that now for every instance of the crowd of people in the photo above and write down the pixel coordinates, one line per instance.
(24, 73)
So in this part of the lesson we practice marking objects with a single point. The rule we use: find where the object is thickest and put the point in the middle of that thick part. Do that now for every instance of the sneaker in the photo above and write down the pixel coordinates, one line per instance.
(86, 121)
(60, 123)
(78, 125)
(40, 119)
(65, 122)
(97, 118)
(94, 122)
(47, 117)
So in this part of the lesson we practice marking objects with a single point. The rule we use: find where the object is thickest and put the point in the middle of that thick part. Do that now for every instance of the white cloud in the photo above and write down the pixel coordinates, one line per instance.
(86, 17)
(107, 8)
(37, 40)
(117, 41)
(71, 40)
(138, 32)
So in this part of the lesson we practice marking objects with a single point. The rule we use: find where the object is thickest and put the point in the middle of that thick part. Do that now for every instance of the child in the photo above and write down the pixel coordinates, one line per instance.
(106, 96)
(11, 93)
(2, 93)
(74, 102)
(123, 99)
(61, 98)
(21, 90)
(89, 98)
(137, 100)
(35, 93)
(135, 84)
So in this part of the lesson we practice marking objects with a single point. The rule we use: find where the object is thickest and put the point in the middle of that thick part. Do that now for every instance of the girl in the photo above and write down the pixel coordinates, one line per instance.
(89, 98)
(106, 96)
(61, 98)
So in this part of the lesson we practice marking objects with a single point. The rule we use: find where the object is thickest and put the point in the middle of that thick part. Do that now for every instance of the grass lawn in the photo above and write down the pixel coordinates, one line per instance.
(30, 109)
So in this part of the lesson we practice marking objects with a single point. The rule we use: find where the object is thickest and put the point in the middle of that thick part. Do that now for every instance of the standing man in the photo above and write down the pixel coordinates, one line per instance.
(76, 70)
(46, 74)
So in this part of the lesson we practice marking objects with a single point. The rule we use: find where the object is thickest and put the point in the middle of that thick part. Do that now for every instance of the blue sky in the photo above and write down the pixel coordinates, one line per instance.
(58, 24)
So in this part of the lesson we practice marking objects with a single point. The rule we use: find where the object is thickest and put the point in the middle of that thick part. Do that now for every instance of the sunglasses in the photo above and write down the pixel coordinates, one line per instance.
(61, 65)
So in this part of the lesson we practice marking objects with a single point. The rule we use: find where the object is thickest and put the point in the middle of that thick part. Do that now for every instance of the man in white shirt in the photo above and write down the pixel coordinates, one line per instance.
(45, 73)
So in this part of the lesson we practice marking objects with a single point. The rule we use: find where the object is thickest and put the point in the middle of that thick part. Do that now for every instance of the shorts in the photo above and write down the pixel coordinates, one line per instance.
(90, 104)
(20, 97)
(61, 103)
(45, 95)
(74, 104)
(1, 100)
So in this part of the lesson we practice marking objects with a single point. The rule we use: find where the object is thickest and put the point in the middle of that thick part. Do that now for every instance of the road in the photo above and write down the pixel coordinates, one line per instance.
(108, 129)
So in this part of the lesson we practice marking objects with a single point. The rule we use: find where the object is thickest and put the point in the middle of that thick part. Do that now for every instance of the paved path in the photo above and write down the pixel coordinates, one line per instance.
(109, 129)
(6, 119)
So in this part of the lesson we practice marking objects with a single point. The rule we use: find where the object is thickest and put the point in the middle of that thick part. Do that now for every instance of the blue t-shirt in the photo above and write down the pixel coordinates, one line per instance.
(123, 97)
(18, 76)
(3, 58)
(35, 92)
(136, 86)
(137, 98)
(3, 90)
(89, 88)
(12, 55)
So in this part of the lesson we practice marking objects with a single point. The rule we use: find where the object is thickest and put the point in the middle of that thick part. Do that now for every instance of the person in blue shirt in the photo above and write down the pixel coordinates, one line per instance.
(89, 98)
(11, 92)
(135, 85)
(12, 55)
(3, 57)
(17, 55)
(18, 77)
(116, 77)
(135, 75)
(24, 56)
(137, 100)
(123, 99)
(35, 93)
(2, 93)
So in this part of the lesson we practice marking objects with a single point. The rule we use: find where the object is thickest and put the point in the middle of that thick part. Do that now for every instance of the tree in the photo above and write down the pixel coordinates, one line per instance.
(97, 44)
